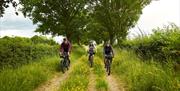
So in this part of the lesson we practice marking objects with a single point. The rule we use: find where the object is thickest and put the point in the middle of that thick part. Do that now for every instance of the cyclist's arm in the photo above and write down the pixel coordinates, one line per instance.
(112, 51)
(69, 47)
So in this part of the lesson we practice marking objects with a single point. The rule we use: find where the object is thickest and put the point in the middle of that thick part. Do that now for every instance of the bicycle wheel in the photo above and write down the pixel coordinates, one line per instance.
(91, 61)
(67, 64)
(62, 66)
(108, 67)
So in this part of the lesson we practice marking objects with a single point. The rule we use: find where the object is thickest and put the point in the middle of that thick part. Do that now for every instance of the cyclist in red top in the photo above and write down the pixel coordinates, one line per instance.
(65, 47)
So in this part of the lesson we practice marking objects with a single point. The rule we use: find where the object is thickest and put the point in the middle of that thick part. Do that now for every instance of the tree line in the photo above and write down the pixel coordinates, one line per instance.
(84, 20)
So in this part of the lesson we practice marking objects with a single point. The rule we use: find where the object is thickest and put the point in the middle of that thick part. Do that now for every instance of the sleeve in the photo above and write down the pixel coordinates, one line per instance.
(70, 47)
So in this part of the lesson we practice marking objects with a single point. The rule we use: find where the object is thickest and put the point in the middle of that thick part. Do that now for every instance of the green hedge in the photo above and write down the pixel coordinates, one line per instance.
(163, 44)
(17, 51)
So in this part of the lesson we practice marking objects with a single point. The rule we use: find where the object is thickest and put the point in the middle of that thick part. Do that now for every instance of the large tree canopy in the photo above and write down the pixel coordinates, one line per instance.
(57, 17)
(117, 16)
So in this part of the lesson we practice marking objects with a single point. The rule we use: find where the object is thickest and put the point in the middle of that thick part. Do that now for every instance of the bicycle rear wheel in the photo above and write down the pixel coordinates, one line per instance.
(62, 66)
(108, 67)
(67, 64)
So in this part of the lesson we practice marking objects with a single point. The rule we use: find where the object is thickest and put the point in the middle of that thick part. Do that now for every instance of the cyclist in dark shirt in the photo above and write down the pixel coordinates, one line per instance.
(108, 51)
(65, 47)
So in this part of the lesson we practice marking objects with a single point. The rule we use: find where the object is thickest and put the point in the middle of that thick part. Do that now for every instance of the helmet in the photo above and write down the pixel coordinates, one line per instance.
(65, 39)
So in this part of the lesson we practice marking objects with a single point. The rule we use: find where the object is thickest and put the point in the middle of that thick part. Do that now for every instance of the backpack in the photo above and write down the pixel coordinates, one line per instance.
(91, 49)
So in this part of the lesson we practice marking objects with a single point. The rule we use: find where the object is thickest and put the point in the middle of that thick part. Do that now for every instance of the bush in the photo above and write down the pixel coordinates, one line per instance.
(17, 51)
(163, 44)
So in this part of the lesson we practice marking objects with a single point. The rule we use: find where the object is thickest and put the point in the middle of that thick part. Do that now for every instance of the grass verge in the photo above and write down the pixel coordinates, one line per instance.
(28, 77)
(144, 76)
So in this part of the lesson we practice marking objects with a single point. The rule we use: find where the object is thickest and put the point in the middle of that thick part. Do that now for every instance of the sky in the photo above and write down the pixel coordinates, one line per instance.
(156, 14)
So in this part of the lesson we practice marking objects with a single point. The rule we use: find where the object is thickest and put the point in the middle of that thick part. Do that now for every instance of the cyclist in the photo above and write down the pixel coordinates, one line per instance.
(108, 51)
(91, 50)
(65, 47)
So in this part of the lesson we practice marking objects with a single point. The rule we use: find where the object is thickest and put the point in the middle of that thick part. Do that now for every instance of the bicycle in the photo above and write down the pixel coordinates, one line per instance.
(108, 61)
(64, 62)
(91, 58)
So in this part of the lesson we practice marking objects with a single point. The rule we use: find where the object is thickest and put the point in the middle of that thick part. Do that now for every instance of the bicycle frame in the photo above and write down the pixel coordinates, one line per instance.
(108, 60)
(64, 62)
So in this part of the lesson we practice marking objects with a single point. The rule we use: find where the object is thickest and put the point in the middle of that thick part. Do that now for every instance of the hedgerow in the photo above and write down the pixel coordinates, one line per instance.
(16, 51)
(162, 45)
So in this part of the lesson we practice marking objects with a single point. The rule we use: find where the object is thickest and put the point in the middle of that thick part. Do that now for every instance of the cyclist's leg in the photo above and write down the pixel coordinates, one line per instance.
(105, 62)
(111, 60)
(69, 60)
(89, 57)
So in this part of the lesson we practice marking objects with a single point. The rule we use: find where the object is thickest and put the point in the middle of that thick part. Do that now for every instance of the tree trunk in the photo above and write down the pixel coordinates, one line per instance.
(111, 37)
(68, 36)
(78, 40)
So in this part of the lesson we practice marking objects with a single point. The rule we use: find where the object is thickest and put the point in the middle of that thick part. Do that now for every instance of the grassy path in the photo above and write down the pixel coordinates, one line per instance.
(81, 77)
(113, 84)
(92, 80)
(105, 82)
(56, 81)
(78, 79)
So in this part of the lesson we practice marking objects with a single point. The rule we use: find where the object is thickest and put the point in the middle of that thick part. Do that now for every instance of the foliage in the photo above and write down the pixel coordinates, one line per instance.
(57, 17)
(17, 51)
(5, 4)
(79, 20)
(116, 17)
(144, 76)
(42, 40)
(163, 44)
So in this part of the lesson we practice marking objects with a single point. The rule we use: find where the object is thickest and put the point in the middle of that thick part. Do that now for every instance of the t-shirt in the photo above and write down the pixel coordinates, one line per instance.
(108, 49)
(65, 47)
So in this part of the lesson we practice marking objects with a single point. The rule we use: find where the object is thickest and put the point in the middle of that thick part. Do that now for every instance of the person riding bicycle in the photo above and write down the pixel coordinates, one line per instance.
(91, 50)
(108, 51)
(65, 47)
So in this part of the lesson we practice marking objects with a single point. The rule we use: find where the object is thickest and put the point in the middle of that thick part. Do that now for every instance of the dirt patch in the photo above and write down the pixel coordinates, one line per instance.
(113, 84)
(92, 82)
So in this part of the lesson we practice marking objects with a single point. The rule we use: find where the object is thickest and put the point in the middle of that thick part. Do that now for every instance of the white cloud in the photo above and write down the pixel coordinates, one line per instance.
(157, 14)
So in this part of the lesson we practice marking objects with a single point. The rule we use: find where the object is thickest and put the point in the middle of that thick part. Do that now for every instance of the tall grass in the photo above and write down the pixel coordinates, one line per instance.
(28, 77)
(144, 76)
(79, 77)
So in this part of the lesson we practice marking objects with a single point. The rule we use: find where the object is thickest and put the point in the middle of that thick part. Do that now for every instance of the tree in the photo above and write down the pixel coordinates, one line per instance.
(117, 16)
(5, 4)
(57, 17)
